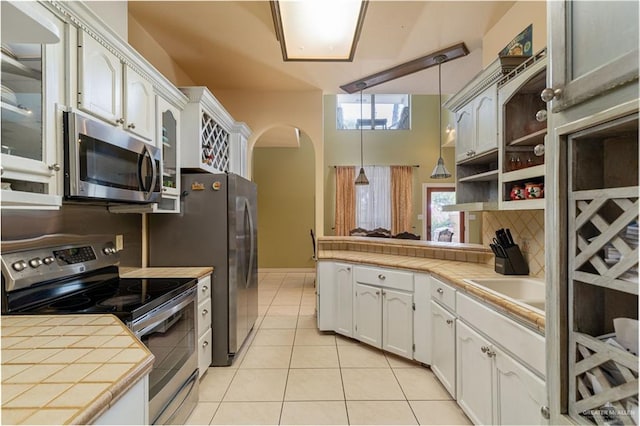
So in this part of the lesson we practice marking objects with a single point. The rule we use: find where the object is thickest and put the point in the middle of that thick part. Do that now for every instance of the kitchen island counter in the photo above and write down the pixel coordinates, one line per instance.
(67, 369)
(452, 262)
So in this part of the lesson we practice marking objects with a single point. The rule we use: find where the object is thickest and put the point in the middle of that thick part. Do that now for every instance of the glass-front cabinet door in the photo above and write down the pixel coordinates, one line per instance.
(593, 47)
(168, 139)
(33, 82)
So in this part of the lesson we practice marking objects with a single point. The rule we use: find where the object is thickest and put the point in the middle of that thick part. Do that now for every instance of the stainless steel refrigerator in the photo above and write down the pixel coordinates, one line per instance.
(217, 226)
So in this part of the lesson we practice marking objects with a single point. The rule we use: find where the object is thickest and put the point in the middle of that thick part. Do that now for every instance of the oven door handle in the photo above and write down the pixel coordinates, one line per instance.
(152, 319)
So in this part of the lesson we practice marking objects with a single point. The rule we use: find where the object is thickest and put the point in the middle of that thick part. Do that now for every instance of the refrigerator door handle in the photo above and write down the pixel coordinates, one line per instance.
(247, 212)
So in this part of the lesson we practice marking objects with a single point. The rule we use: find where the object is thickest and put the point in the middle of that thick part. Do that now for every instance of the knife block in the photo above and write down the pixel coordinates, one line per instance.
(513, 264)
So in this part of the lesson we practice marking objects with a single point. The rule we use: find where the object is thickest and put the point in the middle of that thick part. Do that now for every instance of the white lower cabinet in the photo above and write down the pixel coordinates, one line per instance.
(368, 314)
(519, 394)
(492, 387)
(473, 382)
(131, 409)
(343, 299)
(397, 322)
(335, 297)
(204, 324)
(443, 347)
(383, 309)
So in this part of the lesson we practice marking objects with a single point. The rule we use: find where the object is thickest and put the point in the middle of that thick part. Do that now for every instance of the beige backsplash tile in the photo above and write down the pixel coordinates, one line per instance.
(527, 228)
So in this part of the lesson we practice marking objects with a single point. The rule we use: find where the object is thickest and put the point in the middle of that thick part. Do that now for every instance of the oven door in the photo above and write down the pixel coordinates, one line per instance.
(169, 332)
(105, 162)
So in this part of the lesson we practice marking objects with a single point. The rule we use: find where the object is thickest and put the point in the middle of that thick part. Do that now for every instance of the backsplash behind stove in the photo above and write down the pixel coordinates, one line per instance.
(527, 228)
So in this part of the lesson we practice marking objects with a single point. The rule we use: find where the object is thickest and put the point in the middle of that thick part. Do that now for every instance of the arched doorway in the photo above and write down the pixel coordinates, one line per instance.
(283, 167)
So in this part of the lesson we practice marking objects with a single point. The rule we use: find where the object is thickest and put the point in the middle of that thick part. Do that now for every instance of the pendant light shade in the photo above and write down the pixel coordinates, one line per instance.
(362, 177)
(440, 170)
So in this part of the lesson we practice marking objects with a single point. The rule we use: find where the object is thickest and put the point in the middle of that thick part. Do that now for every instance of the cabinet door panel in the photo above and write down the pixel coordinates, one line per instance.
(519, 393)
(587, 57)
(140, 111)
(99, 80)
(344, 299)
(325, 296)
(473, 375)
(397, 322)
(168, 139)
(464, 133)
(368, 315)
(486, 120)
(443, 347)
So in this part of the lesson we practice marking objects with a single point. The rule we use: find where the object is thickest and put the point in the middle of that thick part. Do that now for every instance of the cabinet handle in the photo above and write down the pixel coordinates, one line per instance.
(384, 293)
(544, 410)
(440, 290)
(204, 312)
(550, 94)
(55, 167)
(381, 277)
(449, 321)
(205, 288)
(120, 121)
(131, 126)
(377, 293)
(487, 350)
(348, 268)
(205, 344)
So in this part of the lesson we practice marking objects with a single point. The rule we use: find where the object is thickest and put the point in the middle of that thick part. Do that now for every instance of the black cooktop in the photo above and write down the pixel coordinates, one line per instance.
(128, 298)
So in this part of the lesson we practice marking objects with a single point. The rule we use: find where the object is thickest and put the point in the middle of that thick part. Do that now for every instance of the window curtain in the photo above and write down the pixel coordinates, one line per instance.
(345, 199)
(402, 198)
(373, 206)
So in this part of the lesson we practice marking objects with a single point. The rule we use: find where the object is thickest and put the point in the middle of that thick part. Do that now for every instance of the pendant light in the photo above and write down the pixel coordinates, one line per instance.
(362, 178)
(440, 170)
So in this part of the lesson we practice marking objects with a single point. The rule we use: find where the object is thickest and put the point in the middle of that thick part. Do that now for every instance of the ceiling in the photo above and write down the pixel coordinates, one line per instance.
(232, 45)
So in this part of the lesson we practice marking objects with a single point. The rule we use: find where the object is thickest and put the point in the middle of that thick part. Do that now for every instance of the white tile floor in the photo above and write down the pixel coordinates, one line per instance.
(290, 373)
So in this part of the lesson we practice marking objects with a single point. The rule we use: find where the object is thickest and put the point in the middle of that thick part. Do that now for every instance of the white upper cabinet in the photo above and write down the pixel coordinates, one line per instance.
(112, 90)
(465, 141)
(486, 120)
(139, 110)
(593, 46)
(33, 86)
(99, 80)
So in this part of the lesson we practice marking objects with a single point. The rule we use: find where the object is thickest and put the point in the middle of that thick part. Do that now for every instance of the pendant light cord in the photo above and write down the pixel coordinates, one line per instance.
(361, 124)
(440, 104)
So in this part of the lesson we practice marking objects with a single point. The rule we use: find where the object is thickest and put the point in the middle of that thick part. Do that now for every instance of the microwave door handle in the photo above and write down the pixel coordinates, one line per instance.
(146, 156)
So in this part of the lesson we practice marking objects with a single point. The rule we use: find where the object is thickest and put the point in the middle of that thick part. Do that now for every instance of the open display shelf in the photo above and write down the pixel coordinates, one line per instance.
(603, 204)
(523, 126)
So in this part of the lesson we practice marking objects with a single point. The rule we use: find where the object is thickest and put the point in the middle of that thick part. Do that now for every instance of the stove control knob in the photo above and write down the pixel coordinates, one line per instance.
(35, 262)
(48, 260)
(109, 250)
(19, 265)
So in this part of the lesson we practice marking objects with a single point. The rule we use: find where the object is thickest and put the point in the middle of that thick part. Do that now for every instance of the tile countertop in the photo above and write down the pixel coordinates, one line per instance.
(445, 267)
(178, 272)
(67, 369)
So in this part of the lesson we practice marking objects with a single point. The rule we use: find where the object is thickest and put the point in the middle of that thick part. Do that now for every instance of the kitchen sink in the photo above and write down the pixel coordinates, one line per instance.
(529, 292)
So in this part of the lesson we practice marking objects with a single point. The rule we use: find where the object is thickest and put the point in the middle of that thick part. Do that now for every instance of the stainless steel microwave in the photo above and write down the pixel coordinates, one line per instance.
(106, 163)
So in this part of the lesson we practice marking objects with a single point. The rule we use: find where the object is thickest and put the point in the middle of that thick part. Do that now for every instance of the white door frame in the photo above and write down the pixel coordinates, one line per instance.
(424, 208)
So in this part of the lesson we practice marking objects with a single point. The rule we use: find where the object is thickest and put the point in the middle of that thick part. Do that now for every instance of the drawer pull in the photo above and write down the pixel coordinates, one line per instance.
(204, 312)
(440, 290)
(381, 277)
(205, 344)
(449, 321)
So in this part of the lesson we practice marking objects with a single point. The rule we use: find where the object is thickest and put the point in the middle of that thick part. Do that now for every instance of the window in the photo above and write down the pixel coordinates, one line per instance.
(389, 112)
(373, 201)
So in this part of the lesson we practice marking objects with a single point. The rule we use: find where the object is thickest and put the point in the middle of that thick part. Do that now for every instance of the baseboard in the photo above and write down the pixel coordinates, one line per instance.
(285, 270)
